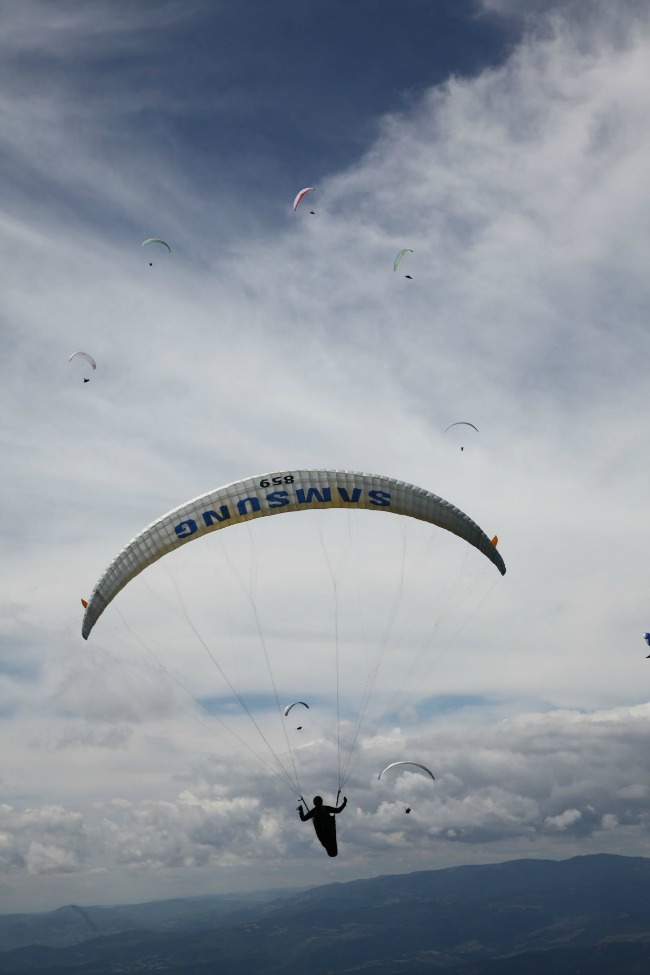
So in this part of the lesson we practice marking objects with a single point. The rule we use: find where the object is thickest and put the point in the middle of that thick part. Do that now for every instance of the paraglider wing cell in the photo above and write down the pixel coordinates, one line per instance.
(258, 497)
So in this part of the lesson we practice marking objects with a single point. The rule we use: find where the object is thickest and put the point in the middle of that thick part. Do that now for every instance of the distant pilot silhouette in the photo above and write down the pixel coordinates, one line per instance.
(324, 822)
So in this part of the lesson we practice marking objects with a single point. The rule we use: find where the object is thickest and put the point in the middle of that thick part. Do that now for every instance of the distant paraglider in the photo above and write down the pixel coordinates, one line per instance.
(155, 240)
(288, 708)
(399, 257)
(646, 637)
(461, 423)
(416, 764)
(87, 358)
(299, 196)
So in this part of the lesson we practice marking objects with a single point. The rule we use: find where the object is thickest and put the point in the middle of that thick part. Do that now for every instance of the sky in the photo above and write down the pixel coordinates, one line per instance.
(507, 146)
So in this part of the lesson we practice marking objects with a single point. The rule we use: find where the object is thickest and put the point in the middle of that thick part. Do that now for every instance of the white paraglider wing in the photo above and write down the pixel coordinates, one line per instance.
(416, 764)
(84, 355)
(273, 494)
(461, 423)
(289, 706)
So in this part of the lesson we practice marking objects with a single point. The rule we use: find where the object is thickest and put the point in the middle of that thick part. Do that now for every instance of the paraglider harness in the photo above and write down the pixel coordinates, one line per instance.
(324, 824)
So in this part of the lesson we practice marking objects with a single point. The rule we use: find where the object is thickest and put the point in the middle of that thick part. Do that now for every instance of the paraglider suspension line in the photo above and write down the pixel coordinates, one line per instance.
(293, 785)
(282, 778)
(249, 594)
(337, 661)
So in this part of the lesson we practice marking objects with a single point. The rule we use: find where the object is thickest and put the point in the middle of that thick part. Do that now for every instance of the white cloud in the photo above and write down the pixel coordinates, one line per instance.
(46, 840)
(544, 781)
(72, 736)
(564, 820)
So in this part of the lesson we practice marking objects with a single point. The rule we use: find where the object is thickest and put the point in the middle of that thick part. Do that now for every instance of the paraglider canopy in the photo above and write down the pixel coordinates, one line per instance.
(84, 355)
(400, 255)
(289, 706)
(299, 196)
(461, 423)
(461, 430)
(86, 358)
(411, 764)
(155, 240)
(416, 764)
(250, 499)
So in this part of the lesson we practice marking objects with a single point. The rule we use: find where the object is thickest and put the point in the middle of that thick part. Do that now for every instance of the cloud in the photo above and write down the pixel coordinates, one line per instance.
(566, 819)
(94, 29)
(111, 736)
(536, 784)
(42, 841)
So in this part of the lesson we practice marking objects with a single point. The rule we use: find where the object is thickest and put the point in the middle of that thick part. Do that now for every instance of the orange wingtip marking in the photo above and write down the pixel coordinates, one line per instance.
(84, 603)
(495, 540)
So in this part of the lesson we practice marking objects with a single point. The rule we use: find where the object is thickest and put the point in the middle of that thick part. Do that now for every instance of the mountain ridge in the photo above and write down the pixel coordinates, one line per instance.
(590, 913)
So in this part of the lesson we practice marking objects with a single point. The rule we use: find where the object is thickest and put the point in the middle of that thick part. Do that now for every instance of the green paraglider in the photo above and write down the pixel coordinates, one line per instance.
(155, 240)
(399, 257)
